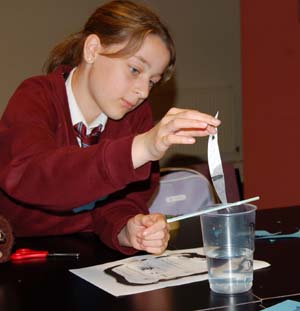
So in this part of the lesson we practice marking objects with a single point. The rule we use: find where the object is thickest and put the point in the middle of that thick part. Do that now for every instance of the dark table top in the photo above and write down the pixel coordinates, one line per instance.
(49, 285)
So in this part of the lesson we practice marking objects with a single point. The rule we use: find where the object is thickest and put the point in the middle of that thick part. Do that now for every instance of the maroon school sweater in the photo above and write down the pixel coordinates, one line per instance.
(44, 174)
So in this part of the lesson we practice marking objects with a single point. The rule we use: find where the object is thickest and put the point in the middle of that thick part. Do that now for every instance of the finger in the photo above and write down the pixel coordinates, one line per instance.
(174, 139)
(194, 114)
(150, 219)
(196, 133)
(211, 129)
(145, 244)
(140, 220)
(176, 124)
(151, 244)
(187, 136)
(138, 244)
(156, 250)
(159, 235)
(185, 127)
(154, 224)
(155, 246)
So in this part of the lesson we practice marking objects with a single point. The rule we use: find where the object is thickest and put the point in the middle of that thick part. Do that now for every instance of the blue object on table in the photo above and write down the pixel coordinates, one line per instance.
(263, 234)
(287, 305)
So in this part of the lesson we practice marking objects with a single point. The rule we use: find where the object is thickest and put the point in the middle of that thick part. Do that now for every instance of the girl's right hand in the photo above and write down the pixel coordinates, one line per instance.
(178, 126)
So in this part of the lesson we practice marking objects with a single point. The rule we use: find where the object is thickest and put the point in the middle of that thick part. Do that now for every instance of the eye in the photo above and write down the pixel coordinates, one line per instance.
(134, 70)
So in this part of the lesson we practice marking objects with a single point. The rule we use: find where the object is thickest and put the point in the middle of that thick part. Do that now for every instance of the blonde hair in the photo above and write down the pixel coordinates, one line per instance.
(115, 22)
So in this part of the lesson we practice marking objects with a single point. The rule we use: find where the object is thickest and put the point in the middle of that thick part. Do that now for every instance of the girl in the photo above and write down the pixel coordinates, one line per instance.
(57, 176)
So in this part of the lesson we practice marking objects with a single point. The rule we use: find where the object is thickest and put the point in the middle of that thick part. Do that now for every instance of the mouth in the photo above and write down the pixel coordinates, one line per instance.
(127, 104)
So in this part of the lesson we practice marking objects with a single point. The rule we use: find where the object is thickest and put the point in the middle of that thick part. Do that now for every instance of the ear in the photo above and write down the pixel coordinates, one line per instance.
(92, 46)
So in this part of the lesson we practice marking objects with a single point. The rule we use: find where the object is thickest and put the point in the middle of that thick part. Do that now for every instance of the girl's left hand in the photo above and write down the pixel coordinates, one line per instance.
(148, 233)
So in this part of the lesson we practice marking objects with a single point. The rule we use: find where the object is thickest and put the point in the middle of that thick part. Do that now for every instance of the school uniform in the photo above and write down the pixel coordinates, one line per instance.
(45, 177)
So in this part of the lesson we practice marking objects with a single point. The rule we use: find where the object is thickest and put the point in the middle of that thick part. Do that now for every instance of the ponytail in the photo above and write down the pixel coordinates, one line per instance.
(68, 52)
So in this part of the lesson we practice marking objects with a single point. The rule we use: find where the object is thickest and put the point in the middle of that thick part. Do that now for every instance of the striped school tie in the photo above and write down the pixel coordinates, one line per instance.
(90, 139)
(86, 141)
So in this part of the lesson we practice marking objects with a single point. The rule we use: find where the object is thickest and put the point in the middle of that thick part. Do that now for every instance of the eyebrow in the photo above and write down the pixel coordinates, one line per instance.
(143, 60)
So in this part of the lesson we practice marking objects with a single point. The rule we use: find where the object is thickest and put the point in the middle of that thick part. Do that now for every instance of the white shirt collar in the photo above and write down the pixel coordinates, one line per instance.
(76, 114)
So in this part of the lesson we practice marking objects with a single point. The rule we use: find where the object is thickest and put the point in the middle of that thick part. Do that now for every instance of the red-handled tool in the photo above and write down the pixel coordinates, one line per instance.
(27, 253)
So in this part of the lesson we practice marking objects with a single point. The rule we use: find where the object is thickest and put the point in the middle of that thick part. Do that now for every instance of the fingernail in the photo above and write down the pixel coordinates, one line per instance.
(191, 140)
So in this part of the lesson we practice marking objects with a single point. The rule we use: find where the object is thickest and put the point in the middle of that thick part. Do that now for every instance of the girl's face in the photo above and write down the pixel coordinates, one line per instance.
(117, 86)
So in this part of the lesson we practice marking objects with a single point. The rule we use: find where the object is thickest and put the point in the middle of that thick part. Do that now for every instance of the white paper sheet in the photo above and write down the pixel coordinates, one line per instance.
(148, 272)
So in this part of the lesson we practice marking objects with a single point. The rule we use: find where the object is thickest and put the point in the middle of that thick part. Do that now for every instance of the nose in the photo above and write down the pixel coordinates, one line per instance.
(142, 88)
